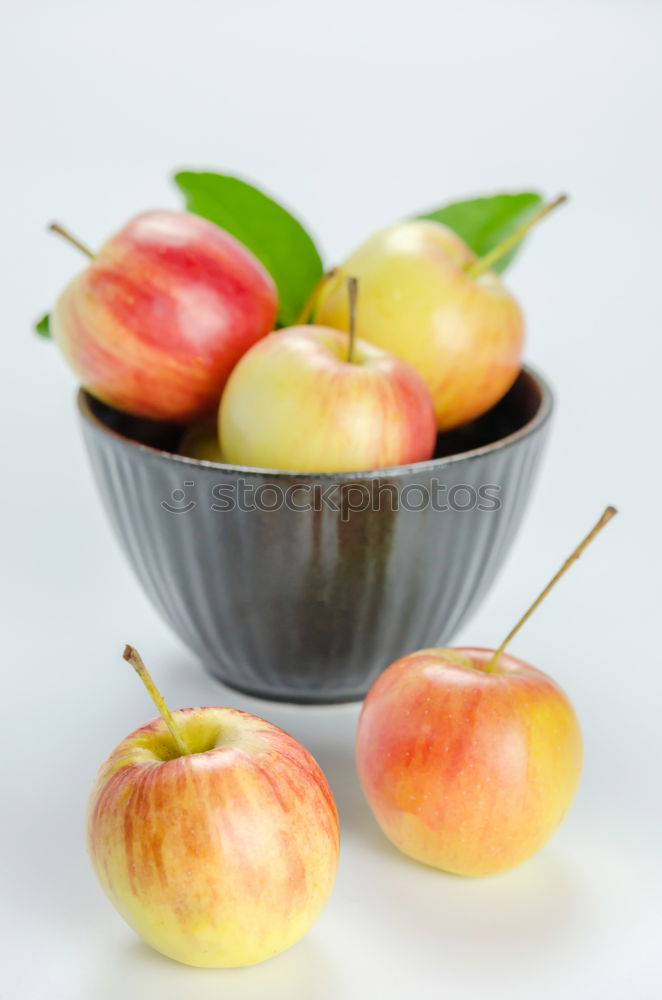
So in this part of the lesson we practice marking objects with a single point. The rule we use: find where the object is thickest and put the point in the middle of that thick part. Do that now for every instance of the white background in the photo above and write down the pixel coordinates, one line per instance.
(356, 114)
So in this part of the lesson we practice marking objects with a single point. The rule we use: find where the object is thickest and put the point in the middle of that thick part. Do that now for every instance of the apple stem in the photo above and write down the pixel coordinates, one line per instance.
(482, 264)
(55, 227)
(133, 657)
(310, 303)
(609, 512)
(352, 294)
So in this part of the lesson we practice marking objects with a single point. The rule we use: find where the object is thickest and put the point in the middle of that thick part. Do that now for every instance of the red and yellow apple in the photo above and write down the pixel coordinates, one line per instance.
(467, 768)
(156, 322)
(418, 300)
(296, 402)
(220, 856)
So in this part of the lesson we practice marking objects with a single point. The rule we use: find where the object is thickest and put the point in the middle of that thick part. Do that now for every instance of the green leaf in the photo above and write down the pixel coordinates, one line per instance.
(483, 223)
(276, 238)
(43, 327)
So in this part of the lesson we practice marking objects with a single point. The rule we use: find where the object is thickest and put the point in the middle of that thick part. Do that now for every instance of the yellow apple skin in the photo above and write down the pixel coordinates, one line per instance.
(464, 335)
(468, 771)
(200, 441)
(222, 857)
(294, 403)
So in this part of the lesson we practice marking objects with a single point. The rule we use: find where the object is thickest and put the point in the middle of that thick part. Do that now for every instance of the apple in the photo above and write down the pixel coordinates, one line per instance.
(463, 334)
(200, 441)
(467, 770)
(214, 834)
(303, 399)
(470, 758)
(162, 314)
(427, 298)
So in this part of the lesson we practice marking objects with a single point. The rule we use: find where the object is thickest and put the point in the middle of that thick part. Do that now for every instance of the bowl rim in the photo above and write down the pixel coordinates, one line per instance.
(537, 421)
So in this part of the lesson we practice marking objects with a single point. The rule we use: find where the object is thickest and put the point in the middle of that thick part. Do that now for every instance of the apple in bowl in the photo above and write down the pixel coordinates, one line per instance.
(463, 335)
(156, 322)
(427, 298)
(313, 399)
(200, 441)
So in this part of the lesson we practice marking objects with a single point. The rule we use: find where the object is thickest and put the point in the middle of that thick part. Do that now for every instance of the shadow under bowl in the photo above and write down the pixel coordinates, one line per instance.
(303, 587)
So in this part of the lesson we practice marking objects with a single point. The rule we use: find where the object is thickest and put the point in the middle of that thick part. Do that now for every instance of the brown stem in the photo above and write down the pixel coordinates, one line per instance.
(352, 293)
(55, 227)
(482, 264)
(133, 657)
(609, 512)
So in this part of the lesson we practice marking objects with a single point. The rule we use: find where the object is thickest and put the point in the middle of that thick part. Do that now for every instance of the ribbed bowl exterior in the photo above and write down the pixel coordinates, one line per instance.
(311, 604)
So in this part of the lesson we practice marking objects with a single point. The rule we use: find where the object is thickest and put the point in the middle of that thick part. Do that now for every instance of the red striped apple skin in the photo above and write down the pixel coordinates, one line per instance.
(465, 770)
(222, 857)
(165, 310)
(294, 403)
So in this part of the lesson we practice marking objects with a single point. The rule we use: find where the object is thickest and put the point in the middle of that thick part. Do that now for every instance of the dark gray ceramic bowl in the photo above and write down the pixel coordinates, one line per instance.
(310, 594)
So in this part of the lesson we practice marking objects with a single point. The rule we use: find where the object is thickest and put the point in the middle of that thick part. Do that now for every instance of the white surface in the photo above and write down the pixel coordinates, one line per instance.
(356, 114)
